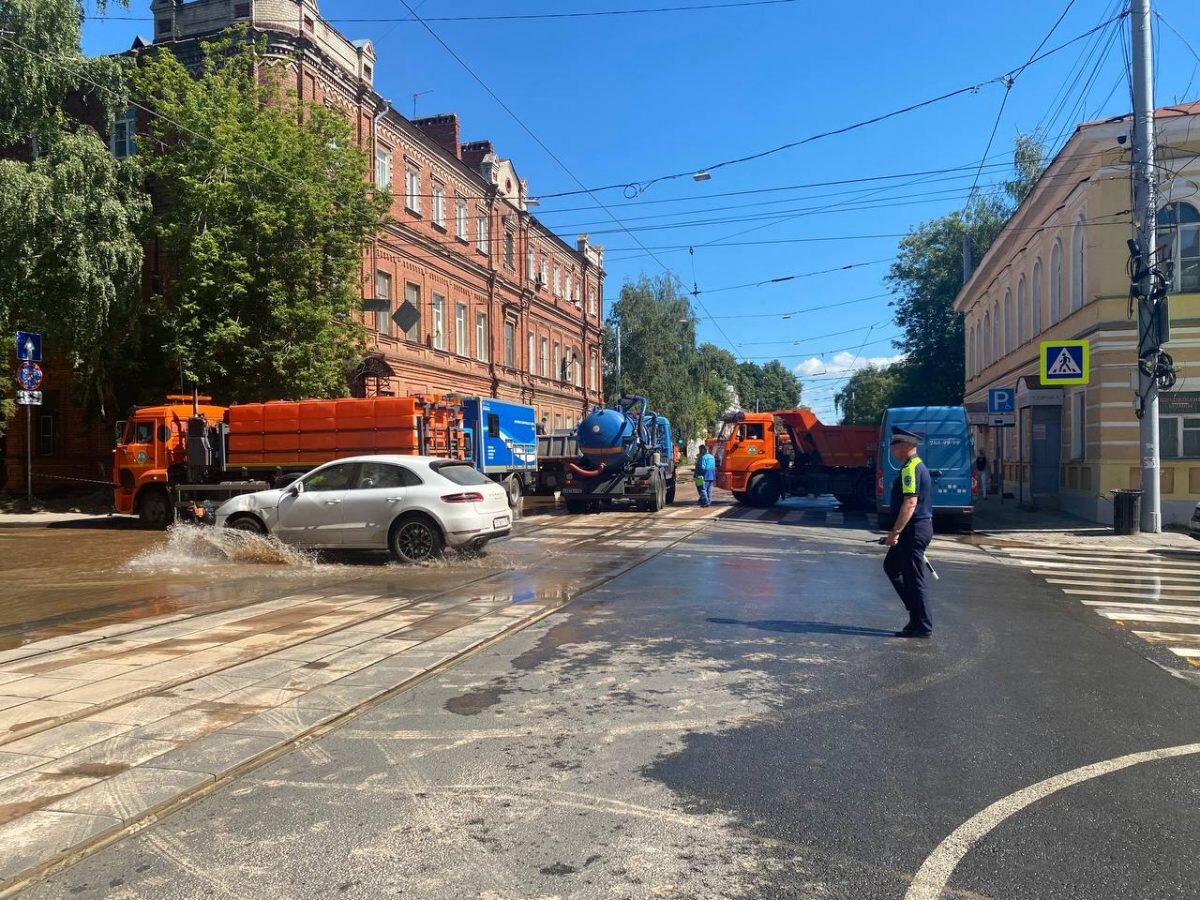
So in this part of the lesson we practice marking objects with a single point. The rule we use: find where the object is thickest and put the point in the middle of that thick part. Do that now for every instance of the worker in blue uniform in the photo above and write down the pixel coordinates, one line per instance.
(706, 474)
(912, 502)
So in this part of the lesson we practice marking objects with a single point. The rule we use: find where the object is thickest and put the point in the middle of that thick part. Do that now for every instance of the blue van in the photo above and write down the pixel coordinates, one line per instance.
(946, 450)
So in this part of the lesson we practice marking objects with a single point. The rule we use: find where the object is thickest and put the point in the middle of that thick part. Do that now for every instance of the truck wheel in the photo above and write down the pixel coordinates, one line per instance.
(657, 494)
(739, 496)
(763, 491)
(512, 485)
(670, 492)
(575, 507)
(415, 539)
(154, 509)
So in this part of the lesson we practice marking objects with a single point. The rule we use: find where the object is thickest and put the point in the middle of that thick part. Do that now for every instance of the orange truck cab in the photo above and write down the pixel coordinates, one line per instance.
(764, 456)
(188, 456)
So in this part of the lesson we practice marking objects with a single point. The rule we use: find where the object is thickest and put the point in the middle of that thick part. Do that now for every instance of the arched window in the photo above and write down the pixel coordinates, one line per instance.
(1056, 283)
(997, 333)
(1078, 261)
(978, 349)
(1035, 318)
(970, 340)
(1008, 322)
(987, 339)
(1179, 242)
(1022, 313)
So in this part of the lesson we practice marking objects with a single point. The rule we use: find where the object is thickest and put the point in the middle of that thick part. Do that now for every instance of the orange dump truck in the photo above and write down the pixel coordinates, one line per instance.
(764, 456)
(187, 456)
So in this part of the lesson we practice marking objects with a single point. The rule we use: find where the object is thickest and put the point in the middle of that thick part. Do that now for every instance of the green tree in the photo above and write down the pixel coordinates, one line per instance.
(264, 207)
(71, 215)
(869, 392)
(927, 276)
(658, 350)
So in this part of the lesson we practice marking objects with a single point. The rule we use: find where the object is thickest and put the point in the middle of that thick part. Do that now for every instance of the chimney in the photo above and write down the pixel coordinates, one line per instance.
(443, 131)
(472, 154)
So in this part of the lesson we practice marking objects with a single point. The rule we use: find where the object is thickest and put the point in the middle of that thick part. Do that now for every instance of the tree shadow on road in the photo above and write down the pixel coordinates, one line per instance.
(799, 627)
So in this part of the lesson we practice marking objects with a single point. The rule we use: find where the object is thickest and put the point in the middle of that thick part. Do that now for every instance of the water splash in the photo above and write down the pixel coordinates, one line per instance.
(190, 547)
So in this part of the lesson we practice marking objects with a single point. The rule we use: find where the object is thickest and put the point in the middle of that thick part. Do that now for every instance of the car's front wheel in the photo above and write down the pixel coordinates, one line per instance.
(415, 539)
(248, 524)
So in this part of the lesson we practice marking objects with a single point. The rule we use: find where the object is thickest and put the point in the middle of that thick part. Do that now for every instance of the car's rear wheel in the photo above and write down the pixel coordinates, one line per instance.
(248, 524)
(512, 486)
(415, 539)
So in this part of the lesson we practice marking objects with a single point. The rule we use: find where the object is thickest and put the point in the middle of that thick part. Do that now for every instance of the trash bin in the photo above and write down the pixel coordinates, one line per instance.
(1127, 509)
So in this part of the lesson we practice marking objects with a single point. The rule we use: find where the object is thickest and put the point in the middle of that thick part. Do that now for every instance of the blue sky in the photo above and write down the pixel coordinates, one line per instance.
(626, 99)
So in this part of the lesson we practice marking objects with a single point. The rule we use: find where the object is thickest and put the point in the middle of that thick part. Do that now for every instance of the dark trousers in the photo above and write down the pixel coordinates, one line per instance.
(905, 568)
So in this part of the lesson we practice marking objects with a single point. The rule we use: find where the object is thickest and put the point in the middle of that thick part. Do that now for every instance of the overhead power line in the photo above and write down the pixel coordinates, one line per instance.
(520, 17)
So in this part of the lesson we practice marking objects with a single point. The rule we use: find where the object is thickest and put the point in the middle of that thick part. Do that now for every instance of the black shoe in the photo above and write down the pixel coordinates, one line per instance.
(913, 633)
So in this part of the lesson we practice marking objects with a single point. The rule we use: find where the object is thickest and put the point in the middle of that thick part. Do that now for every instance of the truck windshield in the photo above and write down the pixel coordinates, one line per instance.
(726, 431)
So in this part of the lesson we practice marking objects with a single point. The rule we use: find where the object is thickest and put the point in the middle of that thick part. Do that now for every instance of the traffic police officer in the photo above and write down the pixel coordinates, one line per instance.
(912, 501)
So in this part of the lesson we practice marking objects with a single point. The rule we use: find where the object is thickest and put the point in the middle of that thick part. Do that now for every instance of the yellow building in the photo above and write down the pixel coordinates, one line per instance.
(1058, 271)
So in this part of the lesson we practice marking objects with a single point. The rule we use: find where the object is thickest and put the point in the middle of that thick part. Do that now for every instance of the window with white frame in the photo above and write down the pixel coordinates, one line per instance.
(122, 140)
(1008, 323)
(593, 380)
(544, 359)
(1078, 264)
(530, 265)
(412, 293)
(557, 281)
(970, 351)
(570, 288)
(1035, 317)
(592, 310)
(481, 230)
(1056, 276)
(439, 322)
(1179, 243)
(1022, 312)
(510, 344)
(997, 333)
(531, 359)
(460, 218)
(544, 272)
(383, 291)
(986, 356)
(412, 188)
(1079, 425)
(383, 168)
(481, 341)
(460, 330)
(576, 369)
(439, 205)
(556, 372)
(1180, 436)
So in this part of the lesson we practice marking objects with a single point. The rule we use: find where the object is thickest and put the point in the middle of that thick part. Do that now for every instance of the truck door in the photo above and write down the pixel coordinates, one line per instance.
(369, 508)
(753, 440)
(314, 517)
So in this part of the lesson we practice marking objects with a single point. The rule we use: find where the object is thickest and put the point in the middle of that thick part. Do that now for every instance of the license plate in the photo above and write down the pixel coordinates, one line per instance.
(572, 490)
(500, 522)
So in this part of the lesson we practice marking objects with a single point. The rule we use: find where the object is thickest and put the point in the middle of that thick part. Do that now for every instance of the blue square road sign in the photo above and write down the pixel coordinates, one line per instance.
(1065, 362)
(29, 346)
(1002, 400)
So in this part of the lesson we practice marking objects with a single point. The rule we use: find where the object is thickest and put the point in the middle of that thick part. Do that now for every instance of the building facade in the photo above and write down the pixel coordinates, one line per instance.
(1058, 271)
(463, 291)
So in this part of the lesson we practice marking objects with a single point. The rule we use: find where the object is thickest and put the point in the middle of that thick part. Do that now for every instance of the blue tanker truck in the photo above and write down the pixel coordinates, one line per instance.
(621, 453)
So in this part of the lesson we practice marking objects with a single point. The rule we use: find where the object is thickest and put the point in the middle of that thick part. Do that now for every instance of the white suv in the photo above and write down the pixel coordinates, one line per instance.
(414, 506)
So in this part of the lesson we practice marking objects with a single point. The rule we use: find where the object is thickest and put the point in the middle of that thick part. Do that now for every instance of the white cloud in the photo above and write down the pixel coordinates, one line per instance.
(844, 363)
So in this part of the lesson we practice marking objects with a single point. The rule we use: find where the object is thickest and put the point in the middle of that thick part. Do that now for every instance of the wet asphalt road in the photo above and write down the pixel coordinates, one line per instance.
(729, 719)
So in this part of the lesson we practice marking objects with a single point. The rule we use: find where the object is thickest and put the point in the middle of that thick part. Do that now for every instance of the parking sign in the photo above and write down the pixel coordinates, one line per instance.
(1002, 400)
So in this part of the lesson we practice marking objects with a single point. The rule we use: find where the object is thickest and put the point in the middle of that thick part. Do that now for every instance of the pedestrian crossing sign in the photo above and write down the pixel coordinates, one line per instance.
(1065, 362)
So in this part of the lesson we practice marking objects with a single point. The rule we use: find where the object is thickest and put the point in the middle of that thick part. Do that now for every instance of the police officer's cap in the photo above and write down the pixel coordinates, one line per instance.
(903, 436)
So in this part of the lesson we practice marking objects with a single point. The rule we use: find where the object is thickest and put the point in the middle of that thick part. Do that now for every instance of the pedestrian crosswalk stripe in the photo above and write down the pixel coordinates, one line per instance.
(1113, 604)
(1120, 580)
(1168, 637)
(1151, 594)
(1189, 652)
(1161, 618)
(1136, 558)
(1043, 567)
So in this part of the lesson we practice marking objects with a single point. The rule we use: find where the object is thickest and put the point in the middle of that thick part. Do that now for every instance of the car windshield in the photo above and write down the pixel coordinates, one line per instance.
(459, 473)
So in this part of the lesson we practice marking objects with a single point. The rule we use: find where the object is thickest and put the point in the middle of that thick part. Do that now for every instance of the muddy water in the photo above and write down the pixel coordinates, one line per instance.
(76, 575)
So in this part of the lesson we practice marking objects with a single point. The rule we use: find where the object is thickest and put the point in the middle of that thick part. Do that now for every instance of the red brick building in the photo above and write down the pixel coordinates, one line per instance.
(503, 307)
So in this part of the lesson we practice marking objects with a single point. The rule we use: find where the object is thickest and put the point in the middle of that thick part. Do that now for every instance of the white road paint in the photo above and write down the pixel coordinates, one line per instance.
(935, 873)
(1186, 652)
(1039, 565)
(1161, 618)
(1113, 580)
(1160, 607)
(1168, 637)
(1152, 594)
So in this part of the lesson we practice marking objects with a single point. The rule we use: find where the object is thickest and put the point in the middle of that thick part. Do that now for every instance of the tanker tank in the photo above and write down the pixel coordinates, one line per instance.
(614, 438)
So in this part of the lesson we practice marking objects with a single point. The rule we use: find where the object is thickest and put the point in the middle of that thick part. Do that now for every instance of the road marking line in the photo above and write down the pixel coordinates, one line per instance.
(1168, 637)
(1137, 595)
(1162, 618)
(1186, 652)
(934, 875)
(1112, 604)
(1054, 568)
(1170, 581)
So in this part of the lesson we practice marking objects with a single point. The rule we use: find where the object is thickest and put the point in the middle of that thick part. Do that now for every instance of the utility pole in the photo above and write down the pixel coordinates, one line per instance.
(1145, 209)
